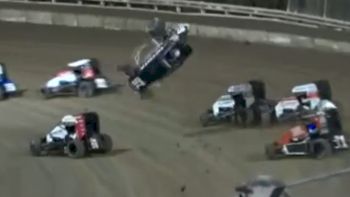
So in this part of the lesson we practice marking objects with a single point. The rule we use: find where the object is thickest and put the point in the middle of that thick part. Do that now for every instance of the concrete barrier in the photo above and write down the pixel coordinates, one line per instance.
(39, 18)
(119, 23)
(64, 19)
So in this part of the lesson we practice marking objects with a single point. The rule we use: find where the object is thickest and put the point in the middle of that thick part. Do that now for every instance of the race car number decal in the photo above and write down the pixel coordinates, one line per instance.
(137, 82)
(10, 87)
(94, 143)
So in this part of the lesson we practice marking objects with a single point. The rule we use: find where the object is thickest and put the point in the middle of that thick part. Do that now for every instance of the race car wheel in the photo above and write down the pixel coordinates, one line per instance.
(207, 118)
(258, 87)
(262, 114)
(86, 89)
(2, 94)
(46, 93)
(324, 89)
(270, 151)
(76, 149)
(106, 143)
(244, 117)
(35, 148)
(320, 148)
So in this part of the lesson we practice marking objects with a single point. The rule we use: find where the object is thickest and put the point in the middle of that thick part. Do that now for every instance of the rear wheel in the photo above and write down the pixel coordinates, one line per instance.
(35, 148)
(76, 149)
(86, 89)
(324, 89)
(320, 148)
(106, 143)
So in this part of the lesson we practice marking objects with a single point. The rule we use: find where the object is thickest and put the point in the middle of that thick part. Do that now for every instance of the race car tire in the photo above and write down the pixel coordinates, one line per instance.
(207, 118)
(324, 89)
(334, 123)
(86, 89)
(320, 148)
(2, 94)
(106, 143)
(270, 151)
(244, 117)
(46, 94)
(259, 91)
(35, 148)
(76, 149)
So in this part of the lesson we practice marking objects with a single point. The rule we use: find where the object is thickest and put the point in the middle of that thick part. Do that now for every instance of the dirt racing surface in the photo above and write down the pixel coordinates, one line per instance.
(161, 150)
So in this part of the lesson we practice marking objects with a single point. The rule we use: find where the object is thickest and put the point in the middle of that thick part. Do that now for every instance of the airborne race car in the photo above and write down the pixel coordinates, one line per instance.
(86, 138)
(82, 78)
(7, 86)
(320, 136)
(246, 103)
(168, 54)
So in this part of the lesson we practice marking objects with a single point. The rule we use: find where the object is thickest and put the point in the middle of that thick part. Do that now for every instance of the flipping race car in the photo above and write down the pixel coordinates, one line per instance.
(319, 135)
(75, 136)
(307, 98)
(262, 186)
(82, 78)
(169, 52)
(7, 86)
(245, 103)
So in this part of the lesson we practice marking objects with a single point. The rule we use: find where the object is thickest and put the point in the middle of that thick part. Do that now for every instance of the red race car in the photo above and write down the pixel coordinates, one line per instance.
(319, 135)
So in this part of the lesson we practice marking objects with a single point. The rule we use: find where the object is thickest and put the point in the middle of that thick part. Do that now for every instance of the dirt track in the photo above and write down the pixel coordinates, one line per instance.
(160, 146)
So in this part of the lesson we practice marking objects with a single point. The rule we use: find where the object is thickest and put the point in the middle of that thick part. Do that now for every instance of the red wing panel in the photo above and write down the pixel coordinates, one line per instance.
(88, 73)
(80, 128)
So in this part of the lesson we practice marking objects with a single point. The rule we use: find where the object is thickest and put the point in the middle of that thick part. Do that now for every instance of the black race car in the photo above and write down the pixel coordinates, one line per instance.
(169, 53)
(85, 139)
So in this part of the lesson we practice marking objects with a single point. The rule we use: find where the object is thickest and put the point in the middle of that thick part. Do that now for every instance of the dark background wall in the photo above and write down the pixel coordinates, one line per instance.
(273, 4)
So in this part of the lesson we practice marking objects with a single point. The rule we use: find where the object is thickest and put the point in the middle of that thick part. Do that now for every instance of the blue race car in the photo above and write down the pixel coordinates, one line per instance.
(7, 86)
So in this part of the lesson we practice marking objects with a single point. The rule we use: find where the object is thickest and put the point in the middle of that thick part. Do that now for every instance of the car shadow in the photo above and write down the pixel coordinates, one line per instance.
(114, 152)
(112, 90)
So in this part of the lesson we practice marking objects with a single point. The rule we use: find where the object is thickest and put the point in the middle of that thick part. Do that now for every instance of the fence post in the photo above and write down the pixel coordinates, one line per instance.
(289, 4)
(325, 7)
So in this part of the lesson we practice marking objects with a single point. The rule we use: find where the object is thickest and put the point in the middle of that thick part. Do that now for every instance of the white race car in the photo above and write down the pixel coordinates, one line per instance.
(310, 97)
(245, 103)
(82, 78)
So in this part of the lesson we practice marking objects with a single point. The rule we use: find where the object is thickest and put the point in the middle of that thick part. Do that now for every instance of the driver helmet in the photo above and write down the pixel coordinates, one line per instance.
(69, 120)
(311, 128)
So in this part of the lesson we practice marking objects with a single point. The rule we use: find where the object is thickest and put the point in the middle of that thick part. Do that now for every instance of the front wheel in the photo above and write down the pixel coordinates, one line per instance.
(35, 148)
(76, 149)
(46, 93)
(271, 151)
(207, 118)
(2, 94)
